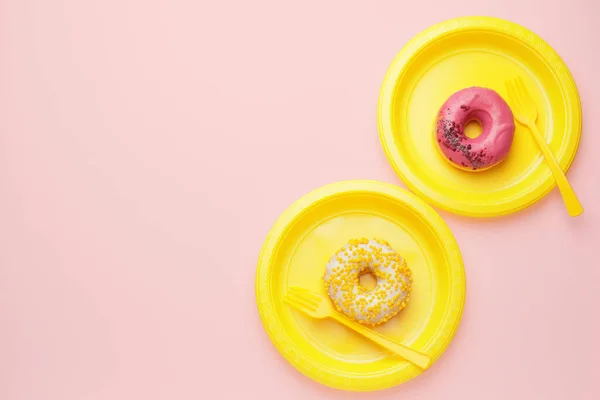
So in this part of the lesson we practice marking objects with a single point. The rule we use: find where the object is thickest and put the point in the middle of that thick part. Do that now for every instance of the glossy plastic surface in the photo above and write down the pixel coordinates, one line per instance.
(295, 254)
(486, 52)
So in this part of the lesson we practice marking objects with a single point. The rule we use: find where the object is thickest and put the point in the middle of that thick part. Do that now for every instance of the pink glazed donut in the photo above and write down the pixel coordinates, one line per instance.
(497, 123)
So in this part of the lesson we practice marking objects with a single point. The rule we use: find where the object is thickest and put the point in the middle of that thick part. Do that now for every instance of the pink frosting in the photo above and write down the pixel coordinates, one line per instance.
(497, 123)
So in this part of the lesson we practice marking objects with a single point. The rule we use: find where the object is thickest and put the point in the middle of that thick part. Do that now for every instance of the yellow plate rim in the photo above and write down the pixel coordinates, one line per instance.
(285, 344)
(537, 45)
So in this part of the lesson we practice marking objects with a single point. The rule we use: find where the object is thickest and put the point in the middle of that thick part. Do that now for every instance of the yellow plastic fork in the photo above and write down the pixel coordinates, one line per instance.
(526, 114)
(318, 306)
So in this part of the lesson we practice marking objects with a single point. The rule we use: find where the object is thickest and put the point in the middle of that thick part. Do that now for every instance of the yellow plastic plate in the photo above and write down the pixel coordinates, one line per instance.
(295, 254)
(476, 51)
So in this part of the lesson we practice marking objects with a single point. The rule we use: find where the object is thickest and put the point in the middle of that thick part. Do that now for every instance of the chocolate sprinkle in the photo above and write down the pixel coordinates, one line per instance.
(453, 138)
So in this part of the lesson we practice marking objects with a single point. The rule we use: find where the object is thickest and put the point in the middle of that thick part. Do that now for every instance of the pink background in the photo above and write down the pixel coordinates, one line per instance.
(146, 148)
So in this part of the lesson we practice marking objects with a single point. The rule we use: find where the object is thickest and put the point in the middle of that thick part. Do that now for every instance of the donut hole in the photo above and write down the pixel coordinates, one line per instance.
(367, 280)
(473, 129)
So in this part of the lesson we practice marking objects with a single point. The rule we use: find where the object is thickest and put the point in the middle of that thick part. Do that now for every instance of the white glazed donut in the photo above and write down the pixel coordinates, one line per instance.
(361, 256)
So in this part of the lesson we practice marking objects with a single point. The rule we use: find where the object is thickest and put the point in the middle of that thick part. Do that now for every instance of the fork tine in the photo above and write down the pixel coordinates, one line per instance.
(298, 306)
(512, 94)
(302, 300)
(523, 89)
(306, 293)
(521, 94)
(295, 304)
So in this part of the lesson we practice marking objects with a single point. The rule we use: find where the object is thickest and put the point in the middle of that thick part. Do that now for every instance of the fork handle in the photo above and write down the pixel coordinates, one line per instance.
(421, 360)
(572, 203)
